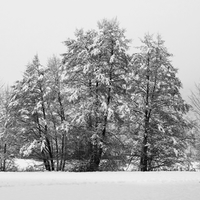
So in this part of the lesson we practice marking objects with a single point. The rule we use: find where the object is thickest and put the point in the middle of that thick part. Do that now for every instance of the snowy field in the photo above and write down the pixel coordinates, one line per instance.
(100, 186)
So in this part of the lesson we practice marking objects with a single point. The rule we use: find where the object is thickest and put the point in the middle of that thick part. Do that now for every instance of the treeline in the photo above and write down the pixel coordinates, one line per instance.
(99, 104)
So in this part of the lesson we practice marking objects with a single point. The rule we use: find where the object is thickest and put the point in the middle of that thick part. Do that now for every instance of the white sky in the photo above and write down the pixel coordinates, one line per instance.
(29, 27)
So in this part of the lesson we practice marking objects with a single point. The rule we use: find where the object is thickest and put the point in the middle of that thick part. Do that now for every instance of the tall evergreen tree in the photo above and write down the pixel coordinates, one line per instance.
(29, 104)
(96, 65)
(160, 107)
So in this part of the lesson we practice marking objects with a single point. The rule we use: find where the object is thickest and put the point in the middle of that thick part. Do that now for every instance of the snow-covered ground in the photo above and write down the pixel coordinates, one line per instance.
(100, 186)
(25, 164)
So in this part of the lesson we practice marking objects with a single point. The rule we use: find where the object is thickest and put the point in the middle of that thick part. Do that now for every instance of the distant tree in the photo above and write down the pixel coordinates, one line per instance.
(9, 144)
(195, 101)
(158, 106)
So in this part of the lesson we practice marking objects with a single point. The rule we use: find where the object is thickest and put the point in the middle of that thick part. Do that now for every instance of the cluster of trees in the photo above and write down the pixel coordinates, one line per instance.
(100, 104)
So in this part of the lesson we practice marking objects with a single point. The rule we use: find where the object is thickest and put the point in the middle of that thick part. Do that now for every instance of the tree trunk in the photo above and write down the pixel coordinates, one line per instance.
(144, 150)
(147, 113)
(144, 156)
(46, 162)
(63, 147)
(95, 158)
(50, 154)
(57, 148)
(95, 150)
(4, 159)
(63, 152)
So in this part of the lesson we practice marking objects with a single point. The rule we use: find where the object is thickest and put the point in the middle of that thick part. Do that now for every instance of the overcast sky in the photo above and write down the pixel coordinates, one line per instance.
(29, 27)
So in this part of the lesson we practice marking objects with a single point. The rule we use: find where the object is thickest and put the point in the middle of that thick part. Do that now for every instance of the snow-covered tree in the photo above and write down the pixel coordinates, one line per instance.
(9, 144)
(58, 110)
(158, 106)
(99, 102)
(96, 64)
(195, 101)
(29, 105)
